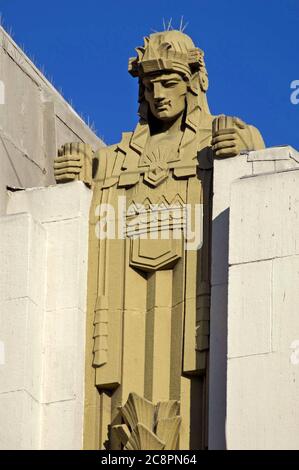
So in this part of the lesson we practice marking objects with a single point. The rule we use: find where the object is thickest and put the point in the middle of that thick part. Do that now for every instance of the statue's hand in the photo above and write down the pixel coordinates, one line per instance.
(74, 163)
(230, 136)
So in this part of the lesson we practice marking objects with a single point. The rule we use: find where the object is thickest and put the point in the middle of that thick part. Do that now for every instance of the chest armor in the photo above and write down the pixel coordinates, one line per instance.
(162, 205)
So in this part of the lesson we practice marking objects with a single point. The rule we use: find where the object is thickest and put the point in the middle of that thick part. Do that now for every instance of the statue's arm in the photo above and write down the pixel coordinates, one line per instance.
(76, 161)
(232, 136)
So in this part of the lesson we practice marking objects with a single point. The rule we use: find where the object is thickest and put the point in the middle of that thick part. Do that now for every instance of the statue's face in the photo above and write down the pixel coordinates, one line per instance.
(166, 95)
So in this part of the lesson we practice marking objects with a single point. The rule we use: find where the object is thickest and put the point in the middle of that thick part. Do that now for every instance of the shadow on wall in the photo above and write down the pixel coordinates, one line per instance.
(218, 338)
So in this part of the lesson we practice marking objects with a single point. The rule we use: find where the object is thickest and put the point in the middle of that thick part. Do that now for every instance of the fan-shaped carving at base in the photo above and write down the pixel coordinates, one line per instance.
(148, 426)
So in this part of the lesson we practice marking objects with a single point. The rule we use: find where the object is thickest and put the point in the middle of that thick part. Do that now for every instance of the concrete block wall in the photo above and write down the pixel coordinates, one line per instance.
(263, 313)
(228, 236)
(43, 281)
(35, 121)
(225, 171)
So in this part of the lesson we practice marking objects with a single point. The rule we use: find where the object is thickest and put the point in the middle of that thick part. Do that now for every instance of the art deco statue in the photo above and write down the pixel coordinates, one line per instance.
(149, 255)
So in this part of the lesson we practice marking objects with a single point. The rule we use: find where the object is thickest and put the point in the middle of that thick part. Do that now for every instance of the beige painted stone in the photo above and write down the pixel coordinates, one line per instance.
(148, 316)
(149, 299)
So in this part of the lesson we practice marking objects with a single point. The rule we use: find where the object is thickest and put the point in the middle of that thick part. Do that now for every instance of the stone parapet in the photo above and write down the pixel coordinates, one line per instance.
(254, 221)
(43, 283)
(263, 304)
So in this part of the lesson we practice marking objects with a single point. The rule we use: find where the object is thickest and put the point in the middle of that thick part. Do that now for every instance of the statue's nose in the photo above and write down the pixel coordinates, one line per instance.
(158, 91)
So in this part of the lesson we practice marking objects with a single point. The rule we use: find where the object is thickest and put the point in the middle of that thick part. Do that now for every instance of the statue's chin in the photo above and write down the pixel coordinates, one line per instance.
(165, 116)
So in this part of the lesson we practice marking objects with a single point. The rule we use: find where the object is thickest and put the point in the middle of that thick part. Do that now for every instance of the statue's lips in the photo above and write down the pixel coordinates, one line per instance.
(162, 107)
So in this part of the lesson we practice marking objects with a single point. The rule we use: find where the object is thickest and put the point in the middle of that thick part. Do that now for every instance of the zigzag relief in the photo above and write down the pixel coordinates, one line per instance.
(148, 217)
(162, 202)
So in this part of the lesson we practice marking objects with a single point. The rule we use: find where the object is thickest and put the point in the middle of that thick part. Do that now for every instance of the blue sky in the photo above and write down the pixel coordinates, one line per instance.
(251, 49)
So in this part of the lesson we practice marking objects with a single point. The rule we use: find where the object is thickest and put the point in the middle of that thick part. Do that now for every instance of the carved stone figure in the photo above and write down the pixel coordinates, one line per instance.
(149, 276)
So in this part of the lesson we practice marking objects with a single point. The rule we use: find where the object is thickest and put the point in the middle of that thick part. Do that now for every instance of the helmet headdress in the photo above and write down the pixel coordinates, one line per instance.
(172, 51)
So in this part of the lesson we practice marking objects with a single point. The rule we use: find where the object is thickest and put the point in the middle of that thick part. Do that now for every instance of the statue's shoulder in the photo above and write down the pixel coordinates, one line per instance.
(106, 158)
(111, 150)
(258, 141)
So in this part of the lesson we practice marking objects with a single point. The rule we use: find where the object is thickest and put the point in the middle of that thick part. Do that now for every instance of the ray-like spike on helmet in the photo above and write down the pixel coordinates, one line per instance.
(185, 27)
(181, 23)
(168, 50)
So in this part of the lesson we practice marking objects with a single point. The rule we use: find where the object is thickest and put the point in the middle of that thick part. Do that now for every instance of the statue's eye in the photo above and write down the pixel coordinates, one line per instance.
(170, 84)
